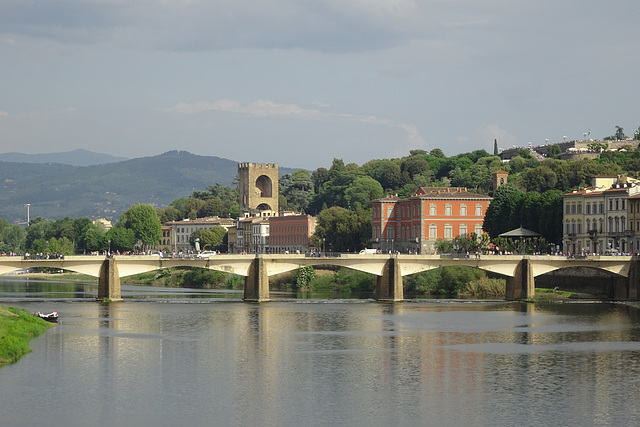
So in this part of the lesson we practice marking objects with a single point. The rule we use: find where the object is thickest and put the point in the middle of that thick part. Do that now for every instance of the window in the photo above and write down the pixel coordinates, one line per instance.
(448, 231)
(567, 228)
(433, 232)
(610, 204)
(432, 209)
(567, 208)
(588, 209)
(478, 229)
(463, 210)
(463, 230)
(478, 210)
(580, 207)
(447, 209)
(601, 208)
(573, 208)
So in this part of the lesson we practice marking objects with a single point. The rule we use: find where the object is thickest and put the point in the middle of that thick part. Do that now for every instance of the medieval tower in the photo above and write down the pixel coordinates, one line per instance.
(498, 178)
(258, 187)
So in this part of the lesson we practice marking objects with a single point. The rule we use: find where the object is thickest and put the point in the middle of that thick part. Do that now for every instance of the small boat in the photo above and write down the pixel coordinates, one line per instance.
(51, 317)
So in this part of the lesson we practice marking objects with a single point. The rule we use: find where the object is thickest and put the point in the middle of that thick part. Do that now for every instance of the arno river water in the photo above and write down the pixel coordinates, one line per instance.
(167, 357)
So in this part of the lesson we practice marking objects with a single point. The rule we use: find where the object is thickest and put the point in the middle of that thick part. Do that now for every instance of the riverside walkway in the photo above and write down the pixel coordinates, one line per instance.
(520, 271)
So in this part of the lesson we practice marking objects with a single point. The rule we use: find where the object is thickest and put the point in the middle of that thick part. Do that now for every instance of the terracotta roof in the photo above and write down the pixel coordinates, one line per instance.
(448, 193)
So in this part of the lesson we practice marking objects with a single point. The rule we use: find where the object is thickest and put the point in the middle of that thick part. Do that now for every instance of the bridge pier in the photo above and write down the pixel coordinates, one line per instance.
(109, 281)
(256, 284)
(522, 285)
(626, 288)
(389, 285)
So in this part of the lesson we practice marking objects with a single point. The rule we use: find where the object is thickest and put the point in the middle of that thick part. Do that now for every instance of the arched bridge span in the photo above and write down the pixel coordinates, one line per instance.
(520, 271)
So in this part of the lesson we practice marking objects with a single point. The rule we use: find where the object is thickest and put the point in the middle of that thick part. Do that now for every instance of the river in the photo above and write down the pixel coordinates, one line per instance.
(167, 357)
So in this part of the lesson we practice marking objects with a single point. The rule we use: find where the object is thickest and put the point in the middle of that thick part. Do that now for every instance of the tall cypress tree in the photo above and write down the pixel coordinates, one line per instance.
(495, 147)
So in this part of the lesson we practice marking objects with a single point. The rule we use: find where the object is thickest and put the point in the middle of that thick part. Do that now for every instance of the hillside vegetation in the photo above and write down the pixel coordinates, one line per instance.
(105, 191)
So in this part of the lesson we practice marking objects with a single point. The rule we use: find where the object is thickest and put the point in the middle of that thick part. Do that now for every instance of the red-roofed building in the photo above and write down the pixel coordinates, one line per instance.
(414, 224)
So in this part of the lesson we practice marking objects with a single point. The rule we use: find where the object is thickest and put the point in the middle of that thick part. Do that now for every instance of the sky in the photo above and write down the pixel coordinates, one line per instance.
(301, 82)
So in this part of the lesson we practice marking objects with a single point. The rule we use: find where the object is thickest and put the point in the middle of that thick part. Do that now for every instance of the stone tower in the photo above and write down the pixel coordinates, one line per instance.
(258, 187)
(498, 178)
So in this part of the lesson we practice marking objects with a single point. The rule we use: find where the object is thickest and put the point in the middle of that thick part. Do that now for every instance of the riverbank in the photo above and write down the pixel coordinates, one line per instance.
(17, 328)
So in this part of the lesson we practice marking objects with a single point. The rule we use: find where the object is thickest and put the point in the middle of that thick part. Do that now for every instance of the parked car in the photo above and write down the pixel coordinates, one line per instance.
(206, 254)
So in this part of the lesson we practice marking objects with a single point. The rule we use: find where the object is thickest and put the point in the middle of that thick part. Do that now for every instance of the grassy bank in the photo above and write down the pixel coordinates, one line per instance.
(17, 328)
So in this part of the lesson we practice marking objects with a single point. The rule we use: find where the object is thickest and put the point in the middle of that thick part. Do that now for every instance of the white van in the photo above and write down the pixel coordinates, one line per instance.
(366, 251)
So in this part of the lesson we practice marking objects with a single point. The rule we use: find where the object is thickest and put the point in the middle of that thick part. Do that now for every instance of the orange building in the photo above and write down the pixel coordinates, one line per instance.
(414, 224)
(291, 233)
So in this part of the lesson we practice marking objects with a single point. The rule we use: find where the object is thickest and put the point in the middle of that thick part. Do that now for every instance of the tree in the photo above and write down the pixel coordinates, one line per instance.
(361, 191)
(14, 238)
(436, 152)
(212, 237)
(554, 151)
(495, 147)
(93, 239)
(298, 188)
(144, 222)
(500, 216)
(539, 179)
(169, 214)
(619, 133)
(343, 230)
(122, 239)
(62, 246)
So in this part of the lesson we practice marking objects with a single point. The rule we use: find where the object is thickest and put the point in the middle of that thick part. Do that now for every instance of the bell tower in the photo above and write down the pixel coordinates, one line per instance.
(258, 187)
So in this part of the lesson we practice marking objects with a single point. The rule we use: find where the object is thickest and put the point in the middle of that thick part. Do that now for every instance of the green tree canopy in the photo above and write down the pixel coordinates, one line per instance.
(343, 230)
(144, 222)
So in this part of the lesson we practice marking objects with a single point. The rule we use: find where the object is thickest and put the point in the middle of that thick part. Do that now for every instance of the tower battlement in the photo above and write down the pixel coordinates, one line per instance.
(257, 165)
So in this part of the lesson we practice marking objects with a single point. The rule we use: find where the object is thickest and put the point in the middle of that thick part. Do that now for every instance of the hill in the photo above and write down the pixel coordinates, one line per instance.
(57, 190)
(77, 157)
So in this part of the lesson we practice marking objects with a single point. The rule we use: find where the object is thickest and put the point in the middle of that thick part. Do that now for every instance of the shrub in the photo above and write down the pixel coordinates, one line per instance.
(485, 286)
(304, 277)
(233, 281)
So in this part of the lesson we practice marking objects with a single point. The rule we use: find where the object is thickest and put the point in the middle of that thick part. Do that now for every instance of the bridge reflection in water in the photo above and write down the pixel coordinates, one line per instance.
(520, 271)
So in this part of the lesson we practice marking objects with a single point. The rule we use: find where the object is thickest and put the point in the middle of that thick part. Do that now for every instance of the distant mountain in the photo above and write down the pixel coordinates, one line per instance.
(56, 190)
(77, 157)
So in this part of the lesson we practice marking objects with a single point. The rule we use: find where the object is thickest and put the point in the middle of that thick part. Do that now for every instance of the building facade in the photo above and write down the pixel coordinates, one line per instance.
(596, 219)
(415, 224)
(291, 233)
(180, 231)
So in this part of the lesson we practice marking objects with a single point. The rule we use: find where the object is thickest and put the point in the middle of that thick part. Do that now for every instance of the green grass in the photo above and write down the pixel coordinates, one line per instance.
(17, 328)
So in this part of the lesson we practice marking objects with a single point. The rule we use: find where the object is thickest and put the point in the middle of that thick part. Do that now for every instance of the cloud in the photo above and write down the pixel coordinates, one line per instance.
(491, 132)
(3, 113)
(324, 25)
(266, 108)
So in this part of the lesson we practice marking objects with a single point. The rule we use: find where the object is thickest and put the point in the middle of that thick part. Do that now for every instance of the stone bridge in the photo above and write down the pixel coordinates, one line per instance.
(519, 271)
